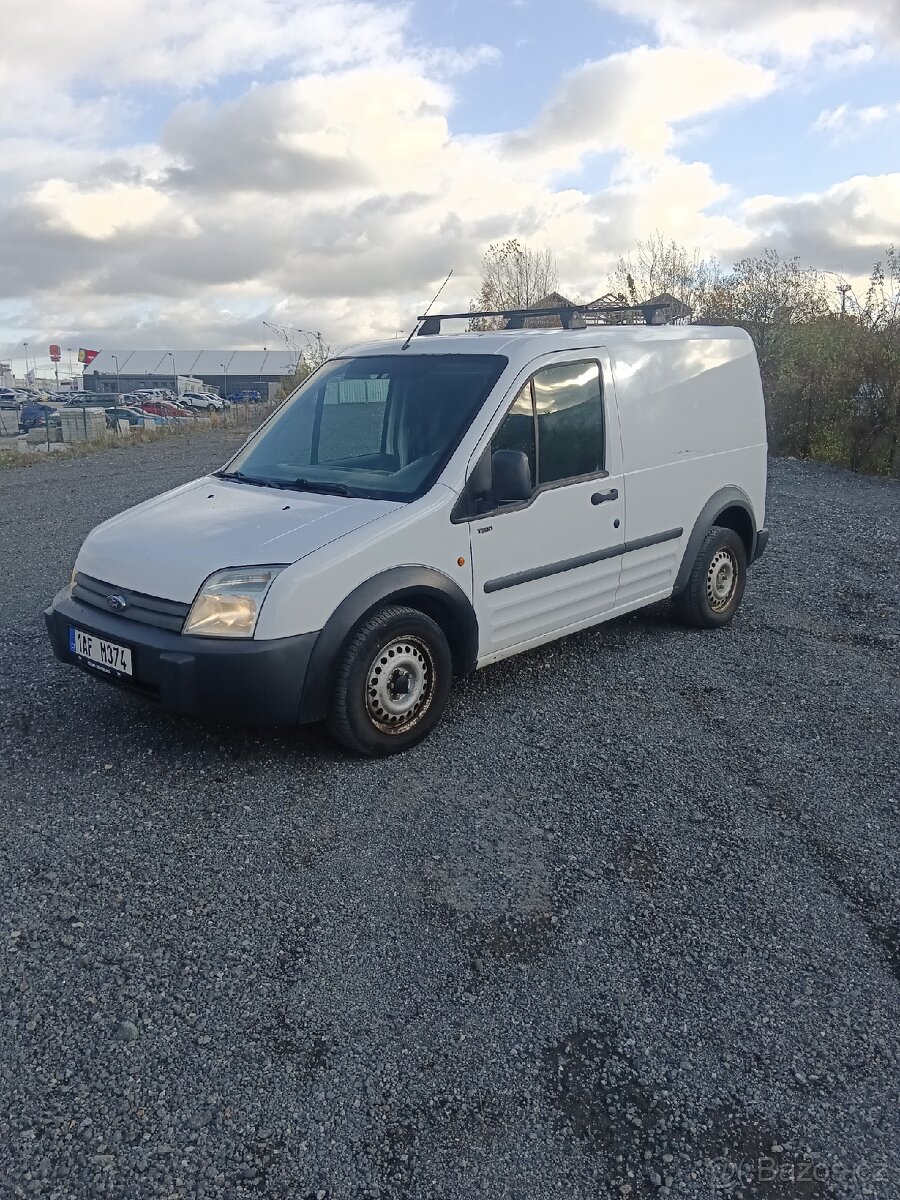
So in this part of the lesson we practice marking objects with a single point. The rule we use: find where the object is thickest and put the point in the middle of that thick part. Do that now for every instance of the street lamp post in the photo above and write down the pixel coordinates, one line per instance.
(225, 377)
(118, 390)
(25, 344)
(174, 372)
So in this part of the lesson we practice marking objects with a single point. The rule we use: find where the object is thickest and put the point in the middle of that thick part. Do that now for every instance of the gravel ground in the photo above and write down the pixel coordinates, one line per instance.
(625, 925)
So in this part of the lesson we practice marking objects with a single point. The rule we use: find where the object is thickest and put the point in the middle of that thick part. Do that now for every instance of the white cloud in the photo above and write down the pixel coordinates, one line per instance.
(633, 101)
(847, 122)
(337, 198)
(844, 228)
(98, 213)
(791, 30)
(169, 42)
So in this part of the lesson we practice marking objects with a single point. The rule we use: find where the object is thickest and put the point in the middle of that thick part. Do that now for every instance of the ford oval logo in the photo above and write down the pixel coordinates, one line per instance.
(116, 601)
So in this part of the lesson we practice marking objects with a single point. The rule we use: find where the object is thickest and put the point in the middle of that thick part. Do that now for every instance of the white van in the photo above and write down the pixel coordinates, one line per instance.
(415, 511)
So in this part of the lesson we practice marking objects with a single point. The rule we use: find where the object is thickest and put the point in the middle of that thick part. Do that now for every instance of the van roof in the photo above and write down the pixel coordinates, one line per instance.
(522, 345)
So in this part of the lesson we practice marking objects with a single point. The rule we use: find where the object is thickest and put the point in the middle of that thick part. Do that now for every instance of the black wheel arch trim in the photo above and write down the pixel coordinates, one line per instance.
(725, 498)
(438, 596)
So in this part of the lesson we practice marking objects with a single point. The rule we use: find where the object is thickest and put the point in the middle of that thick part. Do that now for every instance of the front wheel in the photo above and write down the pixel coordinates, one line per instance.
(717, 580)
(391, 682)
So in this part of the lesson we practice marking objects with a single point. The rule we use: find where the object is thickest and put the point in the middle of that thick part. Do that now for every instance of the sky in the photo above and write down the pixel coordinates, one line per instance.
(177, 173)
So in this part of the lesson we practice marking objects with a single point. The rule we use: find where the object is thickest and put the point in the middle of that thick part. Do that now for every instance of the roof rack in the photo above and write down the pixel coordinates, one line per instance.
(571, 316)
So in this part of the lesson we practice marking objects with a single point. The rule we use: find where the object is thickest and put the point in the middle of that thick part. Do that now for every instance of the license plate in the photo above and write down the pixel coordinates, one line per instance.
(105, 656)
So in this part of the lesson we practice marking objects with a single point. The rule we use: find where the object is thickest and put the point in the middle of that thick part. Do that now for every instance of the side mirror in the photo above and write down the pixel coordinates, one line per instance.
(511, 477)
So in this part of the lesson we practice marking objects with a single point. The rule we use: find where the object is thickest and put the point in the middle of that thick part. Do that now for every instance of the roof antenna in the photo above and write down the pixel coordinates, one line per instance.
(405, 345)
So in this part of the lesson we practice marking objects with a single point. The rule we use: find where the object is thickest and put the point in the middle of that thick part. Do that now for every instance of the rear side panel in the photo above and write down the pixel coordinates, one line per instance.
(693, 422)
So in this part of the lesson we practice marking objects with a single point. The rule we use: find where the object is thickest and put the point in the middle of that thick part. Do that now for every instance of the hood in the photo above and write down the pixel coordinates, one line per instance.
(168, 546)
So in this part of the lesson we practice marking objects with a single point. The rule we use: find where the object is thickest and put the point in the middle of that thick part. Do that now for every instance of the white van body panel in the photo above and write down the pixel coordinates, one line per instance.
(304, 596)
(561, 523)
(693, 421)
(170, 545)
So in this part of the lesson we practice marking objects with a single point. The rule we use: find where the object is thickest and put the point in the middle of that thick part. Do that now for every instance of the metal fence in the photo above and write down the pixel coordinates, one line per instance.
(88, 424)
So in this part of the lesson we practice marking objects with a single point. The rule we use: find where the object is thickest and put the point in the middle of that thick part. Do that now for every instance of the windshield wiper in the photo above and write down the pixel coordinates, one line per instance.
(302, 485)
(317, 485)
(240, 477)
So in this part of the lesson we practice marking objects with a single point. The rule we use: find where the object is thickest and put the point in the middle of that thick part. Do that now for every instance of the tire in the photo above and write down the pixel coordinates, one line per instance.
(377, 708)
(715, 586)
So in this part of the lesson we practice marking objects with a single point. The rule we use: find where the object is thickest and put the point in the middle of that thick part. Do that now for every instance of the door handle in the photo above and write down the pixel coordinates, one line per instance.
(602, 497)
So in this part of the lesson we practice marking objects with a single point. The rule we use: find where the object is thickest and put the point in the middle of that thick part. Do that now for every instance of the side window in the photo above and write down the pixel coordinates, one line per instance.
(568, 405)
(517, 430)
(556, 420)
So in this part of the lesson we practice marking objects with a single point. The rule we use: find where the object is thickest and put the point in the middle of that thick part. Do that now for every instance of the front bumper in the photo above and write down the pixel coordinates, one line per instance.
(241, 682)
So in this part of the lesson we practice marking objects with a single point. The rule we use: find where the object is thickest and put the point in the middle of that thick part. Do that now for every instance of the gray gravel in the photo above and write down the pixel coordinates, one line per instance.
(625, 925)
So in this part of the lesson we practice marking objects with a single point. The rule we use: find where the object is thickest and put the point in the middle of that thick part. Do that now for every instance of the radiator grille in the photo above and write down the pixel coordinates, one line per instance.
(147, 610)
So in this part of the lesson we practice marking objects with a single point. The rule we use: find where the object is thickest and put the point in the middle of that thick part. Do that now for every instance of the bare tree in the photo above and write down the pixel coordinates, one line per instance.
(767, 295)
(656, 266)
(875, 354)
(315, 352)
(513, 276)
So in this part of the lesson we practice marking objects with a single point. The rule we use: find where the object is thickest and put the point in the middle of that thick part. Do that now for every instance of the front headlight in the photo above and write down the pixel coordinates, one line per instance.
(228, 604)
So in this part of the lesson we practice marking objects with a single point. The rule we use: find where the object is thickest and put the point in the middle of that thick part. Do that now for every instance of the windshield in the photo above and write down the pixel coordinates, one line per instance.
(382, 427)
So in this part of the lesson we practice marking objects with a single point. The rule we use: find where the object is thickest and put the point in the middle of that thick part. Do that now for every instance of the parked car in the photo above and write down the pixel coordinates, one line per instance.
(93, 400)
(202, 401)
(134, 417)
(32, 416)
(247, 396)
(415, 513)
(9, 399)
(164, 408)
(186, 408)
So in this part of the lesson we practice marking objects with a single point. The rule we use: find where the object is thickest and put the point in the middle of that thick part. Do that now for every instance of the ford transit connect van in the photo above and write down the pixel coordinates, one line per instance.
(416, 511)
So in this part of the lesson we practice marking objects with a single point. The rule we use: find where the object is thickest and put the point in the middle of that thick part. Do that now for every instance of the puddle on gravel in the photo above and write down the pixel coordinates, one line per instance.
(884, 936)
(508, 938)
(262, 1154)
(394, 1159)
(598, 1094)
(308, 850)
(497, 892)
(285, 1035)
(637, 862)
(743, 1160)
(886, 939)
(827, 633)
(601, 1100)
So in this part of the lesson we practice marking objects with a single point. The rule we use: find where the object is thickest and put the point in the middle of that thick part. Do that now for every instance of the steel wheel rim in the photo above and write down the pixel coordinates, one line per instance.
(400, 684)
(721, 579)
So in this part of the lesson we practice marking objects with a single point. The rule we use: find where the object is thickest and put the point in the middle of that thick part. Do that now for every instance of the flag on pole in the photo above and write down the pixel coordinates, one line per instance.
(87, 356)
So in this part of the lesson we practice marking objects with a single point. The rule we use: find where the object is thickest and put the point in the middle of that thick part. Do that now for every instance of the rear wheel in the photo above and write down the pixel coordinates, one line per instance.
(391, 683)
(717, 580)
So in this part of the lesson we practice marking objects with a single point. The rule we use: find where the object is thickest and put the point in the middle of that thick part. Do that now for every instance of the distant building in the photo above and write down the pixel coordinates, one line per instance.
(225, 371)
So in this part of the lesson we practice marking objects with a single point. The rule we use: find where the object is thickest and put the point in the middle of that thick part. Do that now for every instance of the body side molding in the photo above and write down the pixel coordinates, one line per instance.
(583, 560)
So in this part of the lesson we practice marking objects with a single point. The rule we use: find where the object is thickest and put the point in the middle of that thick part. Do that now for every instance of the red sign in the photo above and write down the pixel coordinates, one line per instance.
(55, 354)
